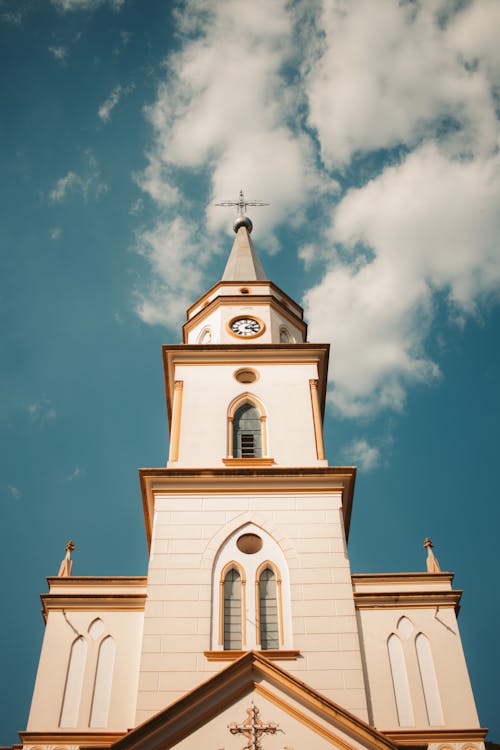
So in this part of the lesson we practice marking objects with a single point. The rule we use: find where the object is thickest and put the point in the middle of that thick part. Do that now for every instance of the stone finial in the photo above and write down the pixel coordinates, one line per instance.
(432, 563)
(67, 562)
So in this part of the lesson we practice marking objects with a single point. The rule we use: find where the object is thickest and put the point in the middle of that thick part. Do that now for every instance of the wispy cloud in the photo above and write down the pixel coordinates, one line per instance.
(42, 411)
(15, 492)
(104, 111)
(11, 16)
(88, 183)
(55, 233)
(77, 473)
(361, 453)
(60, 53)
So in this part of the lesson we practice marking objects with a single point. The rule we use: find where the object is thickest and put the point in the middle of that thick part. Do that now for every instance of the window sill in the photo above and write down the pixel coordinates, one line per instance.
(272, 654)
(248, 461)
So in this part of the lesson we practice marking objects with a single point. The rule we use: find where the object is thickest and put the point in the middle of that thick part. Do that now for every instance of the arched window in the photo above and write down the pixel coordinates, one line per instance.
(247, 433)
(103, 683)
(232, 610)
(74, 683)
(400, 681)
(268, 610)
(429, 681)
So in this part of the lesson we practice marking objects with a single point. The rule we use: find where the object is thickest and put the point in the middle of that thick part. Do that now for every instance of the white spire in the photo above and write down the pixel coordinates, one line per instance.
(243, 263)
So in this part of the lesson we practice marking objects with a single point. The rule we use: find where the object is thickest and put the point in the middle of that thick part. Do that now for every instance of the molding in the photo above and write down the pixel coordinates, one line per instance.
(255, 480)
(271, 654)
(407, 599)
(97, 581)
(318, 428)
(248, 301)
(85, 602)
(175, 435)
(425, 736)
(412, 577)
(243, 355)
(85, 739)
(285, 299)
(248, 461)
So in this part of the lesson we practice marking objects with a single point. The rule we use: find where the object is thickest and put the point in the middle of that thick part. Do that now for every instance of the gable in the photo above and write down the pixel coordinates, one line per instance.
(303, 716)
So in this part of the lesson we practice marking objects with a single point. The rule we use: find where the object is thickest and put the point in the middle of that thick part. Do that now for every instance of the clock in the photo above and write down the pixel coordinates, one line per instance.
(246, 326)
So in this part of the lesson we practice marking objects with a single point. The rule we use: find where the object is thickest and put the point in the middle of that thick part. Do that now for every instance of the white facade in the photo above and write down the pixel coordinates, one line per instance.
(249, 600)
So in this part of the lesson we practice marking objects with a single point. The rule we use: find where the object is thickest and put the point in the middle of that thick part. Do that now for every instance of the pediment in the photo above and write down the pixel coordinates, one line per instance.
(303, 717)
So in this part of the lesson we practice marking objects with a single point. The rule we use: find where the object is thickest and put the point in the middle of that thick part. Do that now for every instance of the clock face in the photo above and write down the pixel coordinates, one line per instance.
(246, 327)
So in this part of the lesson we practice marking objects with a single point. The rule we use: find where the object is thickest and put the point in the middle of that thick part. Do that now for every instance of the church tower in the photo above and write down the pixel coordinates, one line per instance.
(249, 607)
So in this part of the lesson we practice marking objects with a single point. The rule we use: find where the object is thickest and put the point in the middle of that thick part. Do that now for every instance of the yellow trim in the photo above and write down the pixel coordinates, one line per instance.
(424, 736)
(405, 599)
(86, 602)
(271, 654)
(176, 420)
(279, 602)
(248, 461)
(86, 739)
(250, 316)
(225, 570)
(415, 577)
(318, 431)
(281, 296)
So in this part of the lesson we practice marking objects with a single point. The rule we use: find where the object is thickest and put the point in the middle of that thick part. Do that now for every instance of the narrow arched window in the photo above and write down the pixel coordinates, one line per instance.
(268, 610)
(429, 681)
(103, 683)
(400, 681)
(232, 610)
(247, 434)
(74, 683)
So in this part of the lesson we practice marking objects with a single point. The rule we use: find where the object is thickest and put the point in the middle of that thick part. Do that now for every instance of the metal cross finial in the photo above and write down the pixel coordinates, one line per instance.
(253, 728)
(242, 204)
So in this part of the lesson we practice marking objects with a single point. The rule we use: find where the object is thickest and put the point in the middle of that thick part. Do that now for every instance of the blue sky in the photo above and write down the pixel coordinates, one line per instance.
(372, 130)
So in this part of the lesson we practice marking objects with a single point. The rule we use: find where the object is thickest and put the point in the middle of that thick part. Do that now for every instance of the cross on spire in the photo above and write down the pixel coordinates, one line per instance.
(242, 204)
(253, 728)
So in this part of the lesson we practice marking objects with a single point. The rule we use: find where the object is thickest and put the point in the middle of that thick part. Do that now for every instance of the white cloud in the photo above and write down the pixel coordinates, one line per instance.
(362, 454)
(393, 73)
(15, 492)
(10, 16)
(223, 109)
(431, 225)
(104, 111)
(69, 5)
(60, 53)
(55, 233)
(41, 411)
(418, 79)
(87, 184)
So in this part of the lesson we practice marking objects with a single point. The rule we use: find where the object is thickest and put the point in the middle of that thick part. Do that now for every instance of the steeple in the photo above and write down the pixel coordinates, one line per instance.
(243, 263)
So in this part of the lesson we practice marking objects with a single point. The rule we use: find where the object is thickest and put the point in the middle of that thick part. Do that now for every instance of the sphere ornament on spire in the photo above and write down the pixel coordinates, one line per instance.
(242, 220)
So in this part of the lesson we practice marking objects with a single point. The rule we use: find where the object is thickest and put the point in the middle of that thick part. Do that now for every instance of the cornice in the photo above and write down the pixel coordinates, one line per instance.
(86, 739)
(202, 481)
(271, 654)
(409, 737)
(97, 581)
(377, 579)
(279, 293)
(406, 599)
(84, 602)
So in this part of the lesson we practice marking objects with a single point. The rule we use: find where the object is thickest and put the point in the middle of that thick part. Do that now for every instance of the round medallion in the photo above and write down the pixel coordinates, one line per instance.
(249, 543)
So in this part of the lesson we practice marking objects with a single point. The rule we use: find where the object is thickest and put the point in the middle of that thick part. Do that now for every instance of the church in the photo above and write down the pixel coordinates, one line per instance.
(249, 630)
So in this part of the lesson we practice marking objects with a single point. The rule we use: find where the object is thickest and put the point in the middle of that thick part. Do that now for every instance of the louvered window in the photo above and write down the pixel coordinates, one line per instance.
(268, 610)
(247, 432)
(232, 610)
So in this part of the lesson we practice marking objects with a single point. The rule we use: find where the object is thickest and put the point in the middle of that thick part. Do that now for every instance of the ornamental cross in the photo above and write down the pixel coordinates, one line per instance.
(242, 204)
(253, 728)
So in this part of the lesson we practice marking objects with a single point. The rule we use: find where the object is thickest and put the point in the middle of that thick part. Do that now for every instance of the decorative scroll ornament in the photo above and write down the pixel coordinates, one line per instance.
(253, 728)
